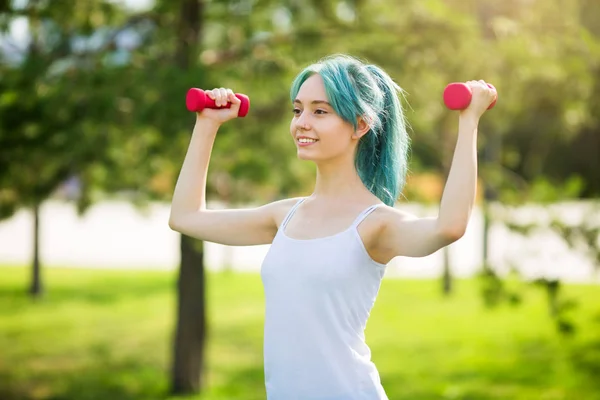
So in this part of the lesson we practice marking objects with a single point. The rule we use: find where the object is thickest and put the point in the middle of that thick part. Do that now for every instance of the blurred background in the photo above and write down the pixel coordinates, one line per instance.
(99, 299)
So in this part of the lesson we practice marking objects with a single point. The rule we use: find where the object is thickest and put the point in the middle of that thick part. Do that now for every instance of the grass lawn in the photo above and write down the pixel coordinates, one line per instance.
(106, 335)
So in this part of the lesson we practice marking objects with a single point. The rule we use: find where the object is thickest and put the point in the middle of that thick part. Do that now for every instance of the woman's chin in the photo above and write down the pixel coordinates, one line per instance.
(303, 155)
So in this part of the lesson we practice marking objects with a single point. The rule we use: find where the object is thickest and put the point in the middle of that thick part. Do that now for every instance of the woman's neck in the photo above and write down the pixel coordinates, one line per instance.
(338, 181)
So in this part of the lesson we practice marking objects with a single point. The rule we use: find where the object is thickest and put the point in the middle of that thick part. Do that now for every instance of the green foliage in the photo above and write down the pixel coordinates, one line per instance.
(539, 190)
(54, 95)
(581, 234)
(497, 291)
(101, 89)
(529, 50)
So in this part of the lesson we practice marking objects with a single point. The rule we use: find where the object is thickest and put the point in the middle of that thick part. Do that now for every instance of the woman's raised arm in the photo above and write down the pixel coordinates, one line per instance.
(188, 207)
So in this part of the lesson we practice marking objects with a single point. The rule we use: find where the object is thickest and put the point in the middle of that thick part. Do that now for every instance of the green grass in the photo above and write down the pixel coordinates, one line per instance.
(107, 335)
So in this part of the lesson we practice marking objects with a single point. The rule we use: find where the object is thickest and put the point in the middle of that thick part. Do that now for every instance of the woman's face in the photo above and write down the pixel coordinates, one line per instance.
(320, 134)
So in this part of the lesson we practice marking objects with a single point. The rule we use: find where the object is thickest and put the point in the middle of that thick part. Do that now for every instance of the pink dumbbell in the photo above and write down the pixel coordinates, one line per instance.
(196, 100)
(457, 96)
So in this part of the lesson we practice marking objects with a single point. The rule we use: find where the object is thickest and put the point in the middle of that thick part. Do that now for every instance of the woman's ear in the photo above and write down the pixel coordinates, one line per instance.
(362, 127)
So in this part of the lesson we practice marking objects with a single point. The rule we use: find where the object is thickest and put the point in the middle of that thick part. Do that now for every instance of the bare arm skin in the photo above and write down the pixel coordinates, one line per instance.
(251, 226)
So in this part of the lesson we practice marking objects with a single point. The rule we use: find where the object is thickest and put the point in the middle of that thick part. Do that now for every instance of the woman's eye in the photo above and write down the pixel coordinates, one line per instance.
(321, 112)
(296, 111)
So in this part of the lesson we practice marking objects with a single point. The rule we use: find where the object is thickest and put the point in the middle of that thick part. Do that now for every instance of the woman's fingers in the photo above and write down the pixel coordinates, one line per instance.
(222, 97)
(232, 97)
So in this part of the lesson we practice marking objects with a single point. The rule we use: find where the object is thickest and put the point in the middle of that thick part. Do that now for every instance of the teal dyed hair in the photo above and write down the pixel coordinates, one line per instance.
(356, 89)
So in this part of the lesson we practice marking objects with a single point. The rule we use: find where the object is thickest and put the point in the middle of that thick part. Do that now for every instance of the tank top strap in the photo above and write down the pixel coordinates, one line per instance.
(364, 214)
(290, 213)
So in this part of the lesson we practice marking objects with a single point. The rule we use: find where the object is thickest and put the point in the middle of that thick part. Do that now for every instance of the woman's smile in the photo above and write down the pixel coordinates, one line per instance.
(304, 141)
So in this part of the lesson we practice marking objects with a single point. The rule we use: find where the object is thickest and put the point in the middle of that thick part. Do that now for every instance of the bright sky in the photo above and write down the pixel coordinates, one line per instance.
(136, 4)
(18, 27)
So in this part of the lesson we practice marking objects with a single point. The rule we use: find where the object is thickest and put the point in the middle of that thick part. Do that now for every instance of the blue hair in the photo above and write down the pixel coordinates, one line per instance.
(355, 89)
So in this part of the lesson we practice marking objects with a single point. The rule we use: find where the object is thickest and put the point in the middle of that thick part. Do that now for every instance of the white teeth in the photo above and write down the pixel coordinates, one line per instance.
(304, 140)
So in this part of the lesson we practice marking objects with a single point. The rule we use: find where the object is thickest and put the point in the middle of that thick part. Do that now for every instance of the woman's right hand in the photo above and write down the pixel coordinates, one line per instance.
(221, 97)
(482, 97)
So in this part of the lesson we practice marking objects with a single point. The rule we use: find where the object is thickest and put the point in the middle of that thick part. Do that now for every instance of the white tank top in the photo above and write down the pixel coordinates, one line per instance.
(319, 294)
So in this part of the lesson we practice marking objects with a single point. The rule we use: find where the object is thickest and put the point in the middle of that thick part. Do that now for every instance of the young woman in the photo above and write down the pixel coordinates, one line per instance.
(329, 250)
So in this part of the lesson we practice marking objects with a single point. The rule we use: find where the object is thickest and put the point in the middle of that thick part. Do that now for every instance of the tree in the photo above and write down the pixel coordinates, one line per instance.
(191, 300)
(51, 94)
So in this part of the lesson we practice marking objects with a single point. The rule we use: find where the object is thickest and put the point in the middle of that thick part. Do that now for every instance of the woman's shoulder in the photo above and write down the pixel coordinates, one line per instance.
(287, 203)
(386, 217)
(385, 211)
(280, 208)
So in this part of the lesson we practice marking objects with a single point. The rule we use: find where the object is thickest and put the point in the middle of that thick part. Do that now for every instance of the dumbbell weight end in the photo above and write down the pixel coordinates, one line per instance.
(458, 95)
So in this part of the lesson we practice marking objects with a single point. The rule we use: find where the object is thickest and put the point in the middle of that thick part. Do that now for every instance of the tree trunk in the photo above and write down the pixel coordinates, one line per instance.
(36, 289)
(486, 231)
(188, 32)
(449, 143)
(190, 335)
(491, 157)
(447, 277)
(191, 319)
(492, 150)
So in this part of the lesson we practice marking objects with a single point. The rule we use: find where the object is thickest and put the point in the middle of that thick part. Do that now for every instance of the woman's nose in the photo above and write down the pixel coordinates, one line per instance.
(302, 121)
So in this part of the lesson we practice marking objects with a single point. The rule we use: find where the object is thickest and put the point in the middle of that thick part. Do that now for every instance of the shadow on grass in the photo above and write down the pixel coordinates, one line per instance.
(102, 290)
(241, 384)
(586, 358)
(533, 369)
(114, 381)
(125, 381)
(112, 290)
(129, 379)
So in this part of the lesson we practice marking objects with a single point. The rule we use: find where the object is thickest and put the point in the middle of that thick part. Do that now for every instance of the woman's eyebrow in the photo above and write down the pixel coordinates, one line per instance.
(314, 102)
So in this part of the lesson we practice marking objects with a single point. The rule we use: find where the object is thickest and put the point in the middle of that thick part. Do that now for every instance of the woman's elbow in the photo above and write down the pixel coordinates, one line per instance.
(453, 234)
(175, 223)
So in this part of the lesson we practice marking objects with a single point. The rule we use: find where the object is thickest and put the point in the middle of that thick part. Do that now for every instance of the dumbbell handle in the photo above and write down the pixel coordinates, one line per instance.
(196, 100)
(457, 96)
